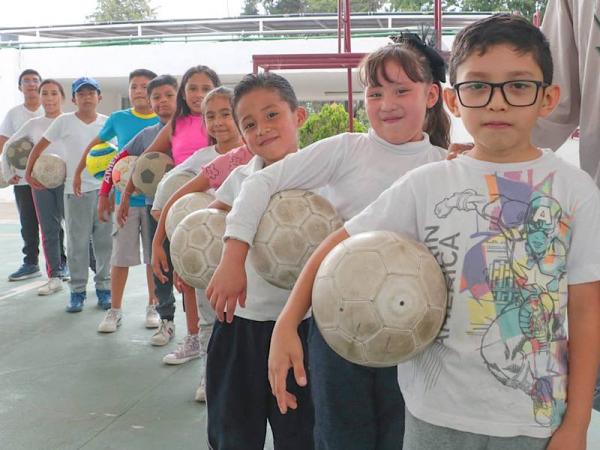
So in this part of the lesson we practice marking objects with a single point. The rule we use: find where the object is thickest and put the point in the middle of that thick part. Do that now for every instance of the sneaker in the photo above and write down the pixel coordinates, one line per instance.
(25, 271)
(186, 351)
(201, 391)
(53, 285)
(111, 321)
(104, 299)
(76, 302)
(165, 333)
(152, 317)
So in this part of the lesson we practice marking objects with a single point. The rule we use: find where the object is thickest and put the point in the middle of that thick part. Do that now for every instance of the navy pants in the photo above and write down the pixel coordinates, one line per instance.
(238, 393)
(30, 231)
(356, 407)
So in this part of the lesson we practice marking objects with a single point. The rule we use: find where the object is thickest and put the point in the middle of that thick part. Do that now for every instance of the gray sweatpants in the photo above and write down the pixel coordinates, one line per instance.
(81, 217)
(49, 206)
(420, 435)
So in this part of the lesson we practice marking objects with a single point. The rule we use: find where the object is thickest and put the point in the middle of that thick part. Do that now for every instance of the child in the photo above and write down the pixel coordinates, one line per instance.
(402, 100)
(29, 82)
(237, 393)
(74, 131)
(124, 125)
(161, 92)
(220, 124)
(49, 203)
(514, 223)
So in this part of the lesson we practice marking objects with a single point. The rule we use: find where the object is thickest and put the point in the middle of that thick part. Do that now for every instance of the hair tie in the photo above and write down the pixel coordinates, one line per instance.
(437, 63)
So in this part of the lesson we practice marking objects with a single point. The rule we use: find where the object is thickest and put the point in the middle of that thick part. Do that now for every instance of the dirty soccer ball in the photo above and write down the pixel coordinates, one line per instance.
(196, 246)
(149, 170)
(50, 170)
(293, 226)
(170, 184)
(379, 299)
(18, 152)
(185, 205)
(122, 171)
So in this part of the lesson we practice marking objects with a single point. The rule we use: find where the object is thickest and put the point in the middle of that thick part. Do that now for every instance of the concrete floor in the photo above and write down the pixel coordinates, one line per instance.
(63, 386)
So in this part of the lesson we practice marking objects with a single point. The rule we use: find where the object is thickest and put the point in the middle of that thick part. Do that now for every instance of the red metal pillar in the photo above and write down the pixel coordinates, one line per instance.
(437, 23)
(348, 49)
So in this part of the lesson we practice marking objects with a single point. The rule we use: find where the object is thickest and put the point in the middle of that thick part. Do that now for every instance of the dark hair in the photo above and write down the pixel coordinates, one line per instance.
(497, 29)
(28, 72)
(51, 81)
(264, 80)
(416, 65)
(161, 80)
(182, 108)
(142, 73)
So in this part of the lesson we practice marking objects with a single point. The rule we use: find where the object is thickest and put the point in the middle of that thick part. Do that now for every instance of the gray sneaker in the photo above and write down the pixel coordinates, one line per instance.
(201, 391)
(152, 317)
(111, 321)
(53, 285)
(186, 351)
(165, 333)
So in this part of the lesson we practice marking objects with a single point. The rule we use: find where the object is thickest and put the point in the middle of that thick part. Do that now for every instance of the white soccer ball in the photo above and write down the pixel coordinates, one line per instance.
(3, 182)
(293, 226)
(122, 171)
(379, 299)
(50, 170)
(196, 246)
(149, 170)
(184, 206)
(18, 152)
(169, 185)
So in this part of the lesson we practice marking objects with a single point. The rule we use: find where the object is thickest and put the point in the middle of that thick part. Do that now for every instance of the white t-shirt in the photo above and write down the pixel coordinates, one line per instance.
(510, 238)
(33, 129)
(352, 168)
(263, 300)
(16, 118)
(75, 135)
(192, 165)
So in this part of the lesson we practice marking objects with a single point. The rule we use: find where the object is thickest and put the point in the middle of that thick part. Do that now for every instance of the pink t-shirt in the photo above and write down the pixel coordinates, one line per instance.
(190, 135)
(220, 167)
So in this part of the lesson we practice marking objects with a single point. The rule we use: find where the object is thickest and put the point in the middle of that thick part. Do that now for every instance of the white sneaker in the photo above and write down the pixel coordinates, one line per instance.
(165, 333)
(201, 391)
(187, 350)
(152, 317)
(53, 285)
(111, 321)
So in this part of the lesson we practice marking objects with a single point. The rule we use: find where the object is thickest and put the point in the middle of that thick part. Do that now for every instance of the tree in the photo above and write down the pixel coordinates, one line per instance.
(332, 119)
(250, 8)
(525, 7)
(122, 11)
(308, 6)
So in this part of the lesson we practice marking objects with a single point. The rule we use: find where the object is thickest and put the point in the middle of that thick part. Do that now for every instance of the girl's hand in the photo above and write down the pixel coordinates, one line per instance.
(160, 264)
(33, 182)
(568, 437)
(14, 179)
(457, 149)
(286, 353)
(123, 211)
(226, 288)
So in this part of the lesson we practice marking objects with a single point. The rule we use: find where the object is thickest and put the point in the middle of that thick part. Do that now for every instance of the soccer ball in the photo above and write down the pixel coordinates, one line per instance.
(196, 246)
(379, 299)
(185, 205)
(122, 171)
(50, 170)
(3, 182)
(292, 227)
(169, 185)
(149, 170)
(98, 159)
(18, 152)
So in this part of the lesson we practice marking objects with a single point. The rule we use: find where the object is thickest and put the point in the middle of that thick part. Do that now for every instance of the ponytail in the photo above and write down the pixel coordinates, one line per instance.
(437, 122)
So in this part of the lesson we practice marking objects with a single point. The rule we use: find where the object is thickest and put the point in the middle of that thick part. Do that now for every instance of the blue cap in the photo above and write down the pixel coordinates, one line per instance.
(83, 82)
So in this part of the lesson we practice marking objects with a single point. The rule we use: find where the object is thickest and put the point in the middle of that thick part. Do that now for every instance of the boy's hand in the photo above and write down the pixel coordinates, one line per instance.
(456, 149)
(567, 437)
(77, 184)
(226, 287)
(285, 353)
(160, 264)
(123, 211)
(104, 208)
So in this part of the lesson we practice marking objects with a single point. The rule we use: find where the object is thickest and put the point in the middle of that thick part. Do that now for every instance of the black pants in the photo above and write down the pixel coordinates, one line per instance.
(30, 231)
(238, 394)
(163, 291)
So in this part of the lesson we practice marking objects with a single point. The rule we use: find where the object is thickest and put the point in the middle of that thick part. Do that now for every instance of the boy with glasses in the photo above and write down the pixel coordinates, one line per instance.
(29, 83)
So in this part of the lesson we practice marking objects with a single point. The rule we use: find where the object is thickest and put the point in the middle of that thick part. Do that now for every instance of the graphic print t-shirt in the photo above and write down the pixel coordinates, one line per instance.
(510, 238)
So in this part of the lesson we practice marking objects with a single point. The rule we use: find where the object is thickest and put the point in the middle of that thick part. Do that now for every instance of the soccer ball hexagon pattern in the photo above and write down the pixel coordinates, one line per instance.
(379, 298)
(50, 170)
(122, 171)
(18, 152)
(196, 246)
(149, 170)
(292, 227)
(169, 185)
(194, 201)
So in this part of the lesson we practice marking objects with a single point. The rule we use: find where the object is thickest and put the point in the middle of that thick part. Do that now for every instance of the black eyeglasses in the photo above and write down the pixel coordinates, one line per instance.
(477, 94)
